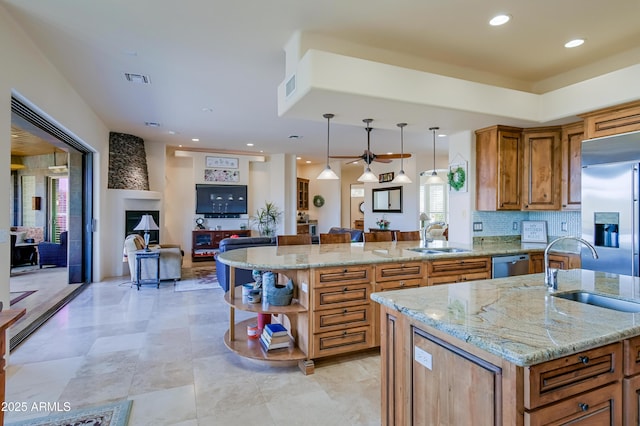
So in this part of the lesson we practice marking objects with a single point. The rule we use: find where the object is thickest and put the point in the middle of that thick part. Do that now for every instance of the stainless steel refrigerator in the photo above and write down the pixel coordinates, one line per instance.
(610, 217)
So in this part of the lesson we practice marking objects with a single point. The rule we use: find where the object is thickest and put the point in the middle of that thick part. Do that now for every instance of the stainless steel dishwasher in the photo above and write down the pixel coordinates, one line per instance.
(507, 266)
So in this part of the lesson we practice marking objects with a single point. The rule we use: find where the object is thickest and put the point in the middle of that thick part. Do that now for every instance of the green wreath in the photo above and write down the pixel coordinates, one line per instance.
(456, 178)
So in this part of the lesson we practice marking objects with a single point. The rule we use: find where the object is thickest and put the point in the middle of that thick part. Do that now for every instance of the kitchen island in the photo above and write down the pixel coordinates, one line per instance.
(508, 352)
(332, 312)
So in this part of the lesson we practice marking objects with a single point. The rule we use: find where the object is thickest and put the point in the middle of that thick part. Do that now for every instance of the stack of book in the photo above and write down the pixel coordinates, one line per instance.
(274, 336)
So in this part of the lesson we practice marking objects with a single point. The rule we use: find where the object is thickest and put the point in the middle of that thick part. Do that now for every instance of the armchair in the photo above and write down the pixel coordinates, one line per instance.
(53, 253)
(170, 260)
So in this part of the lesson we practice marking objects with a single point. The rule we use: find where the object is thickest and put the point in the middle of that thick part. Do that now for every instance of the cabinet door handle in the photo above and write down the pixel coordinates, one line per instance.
(345, 271)
(344, 290)
(583, 406)
(584, 359)
(344, 333)
(344, 311)
(401, 283)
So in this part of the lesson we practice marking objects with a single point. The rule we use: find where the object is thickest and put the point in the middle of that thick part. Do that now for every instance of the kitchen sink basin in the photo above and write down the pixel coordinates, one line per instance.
(438, 250)
(600, 300)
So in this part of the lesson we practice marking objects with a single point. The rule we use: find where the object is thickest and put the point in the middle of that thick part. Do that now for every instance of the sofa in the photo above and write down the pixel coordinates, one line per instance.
(357, 236)
(53, 253)
(243, 276)
(170, 259)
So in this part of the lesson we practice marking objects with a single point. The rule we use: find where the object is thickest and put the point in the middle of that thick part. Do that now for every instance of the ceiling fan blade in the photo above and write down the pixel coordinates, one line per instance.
(345, 156)
(381, 160)
(393, 156)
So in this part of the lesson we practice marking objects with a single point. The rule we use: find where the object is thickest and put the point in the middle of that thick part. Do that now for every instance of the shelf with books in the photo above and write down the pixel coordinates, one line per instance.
(252, 348)
(241, 303)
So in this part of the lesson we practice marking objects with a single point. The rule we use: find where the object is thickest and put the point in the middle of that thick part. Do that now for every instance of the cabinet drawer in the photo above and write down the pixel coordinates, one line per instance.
(602, 406)
(462, 266)
(450, 279)
(632, 356)
(399, 284)
(399, 271)
(346, 275)
(337, 342)
(338, 319)
(341, 296)
(570, 375)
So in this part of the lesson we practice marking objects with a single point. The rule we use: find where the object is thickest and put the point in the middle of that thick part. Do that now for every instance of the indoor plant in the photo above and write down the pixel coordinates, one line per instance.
(267, 218)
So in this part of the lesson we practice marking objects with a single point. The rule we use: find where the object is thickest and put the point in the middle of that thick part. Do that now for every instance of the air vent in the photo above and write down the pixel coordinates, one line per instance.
(290, 87)
(137, 78)
(151, 124)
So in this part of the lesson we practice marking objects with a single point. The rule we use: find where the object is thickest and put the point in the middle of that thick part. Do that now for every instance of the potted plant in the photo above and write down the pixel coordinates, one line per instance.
(267, 218)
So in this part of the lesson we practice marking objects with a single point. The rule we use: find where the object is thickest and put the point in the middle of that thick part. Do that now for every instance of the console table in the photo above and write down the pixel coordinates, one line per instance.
(205, 242)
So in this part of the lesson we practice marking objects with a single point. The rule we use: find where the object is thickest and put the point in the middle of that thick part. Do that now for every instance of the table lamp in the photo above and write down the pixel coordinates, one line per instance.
(146, 224)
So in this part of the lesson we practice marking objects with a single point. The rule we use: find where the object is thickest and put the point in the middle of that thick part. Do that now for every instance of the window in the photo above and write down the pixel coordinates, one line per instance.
(434, 202)
(59, 191)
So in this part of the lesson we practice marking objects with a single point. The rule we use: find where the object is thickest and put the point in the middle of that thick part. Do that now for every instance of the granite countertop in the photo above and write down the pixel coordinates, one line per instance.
(321, 255)
(517, 319)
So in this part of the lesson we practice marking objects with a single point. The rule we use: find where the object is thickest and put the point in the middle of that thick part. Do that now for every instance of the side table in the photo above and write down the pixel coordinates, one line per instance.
(143, 254)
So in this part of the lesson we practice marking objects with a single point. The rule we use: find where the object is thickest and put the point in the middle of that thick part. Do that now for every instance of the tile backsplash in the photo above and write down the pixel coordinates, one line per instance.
(501, 223)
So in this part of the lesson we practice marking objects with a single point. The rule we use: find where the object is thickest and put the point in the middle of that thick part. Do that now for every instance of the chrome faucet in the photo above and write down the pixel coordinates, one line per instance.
(425, 239)
(551, 274)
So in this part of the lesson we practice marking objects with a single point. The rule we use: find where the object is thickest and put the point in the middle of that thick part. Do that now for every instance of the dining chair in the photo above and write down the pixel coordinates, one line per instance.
(408, 236)
(293, 240)
(335, 238)
(377, 236)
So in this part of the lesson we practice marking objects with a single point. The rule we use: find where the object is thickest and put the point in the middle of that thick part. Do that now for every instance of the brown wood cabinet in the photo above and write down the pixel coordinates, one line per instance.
(499, 168)
(612, 121)
(572, 137)
(343, 316)
(204, 243)
(542, 161)
(447, 271)
(429, 377)
(303, 193)
(556, 260)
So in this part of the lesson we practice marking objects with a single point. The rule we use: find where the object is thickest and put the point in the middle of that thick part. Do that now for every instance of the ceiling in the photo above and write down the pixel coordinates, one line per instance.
(215, 66)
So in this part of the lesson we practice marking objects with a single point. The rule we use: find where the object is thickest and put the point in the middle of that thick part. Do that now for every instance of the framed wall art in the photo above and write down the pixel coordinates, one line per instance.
(385, 177)
(226, 162)
(220, 175)
(534, 231)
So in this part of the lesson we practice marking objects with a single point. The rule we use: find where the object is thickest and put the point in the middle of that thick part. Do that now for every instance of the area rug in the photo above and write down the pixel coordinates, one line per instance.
(198, 279)
(17, 296)
(116, 414)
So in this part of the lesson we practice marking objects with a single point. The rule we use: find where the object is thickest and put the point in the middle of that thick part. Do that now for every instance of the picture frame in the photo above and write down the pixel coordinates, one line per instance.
(534, 231)
(457, 177)
(224, 162)
(385, 177)
(221, 175)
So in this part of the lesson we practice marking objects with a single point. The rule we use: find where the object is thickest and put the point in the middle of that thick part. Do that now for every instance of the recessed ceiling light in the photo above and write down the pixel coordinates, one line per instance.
(499, 20)
(195, 140)
(13, 135)
(172, 132)
(261, 150)
(249, 144)
(574, 43)
(308, 162)
(180, 146)
(298, 158)
(441, 135)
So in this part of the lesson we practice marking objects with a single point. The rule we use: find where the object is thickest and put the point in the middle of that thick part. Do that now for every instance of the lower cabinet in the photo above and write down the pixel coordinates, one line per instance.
(556, 261)
(431, 378)
(447, 271)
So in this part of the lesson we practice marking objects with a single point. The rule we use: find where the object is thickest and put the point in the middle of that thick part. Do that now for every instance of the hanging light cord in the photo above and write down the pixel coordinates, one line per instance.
(401, 125)
(328, 117)
(434, 148)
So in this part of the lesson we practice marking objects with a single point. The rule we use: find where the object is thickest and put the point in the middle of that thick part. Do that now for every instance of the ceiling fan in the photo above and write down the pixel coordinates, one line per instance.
(369, 156)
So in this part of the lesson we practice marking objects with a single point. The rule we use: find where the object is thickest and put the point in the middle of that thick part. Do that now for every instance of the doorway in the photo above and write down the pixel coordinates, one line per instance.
(357, 206)
(51, 199)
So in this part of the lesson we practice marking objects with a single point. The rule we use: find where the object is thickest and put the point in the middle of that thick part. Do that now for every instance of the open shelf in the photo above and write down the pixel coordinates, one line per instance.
(251, 348)
(262, 308)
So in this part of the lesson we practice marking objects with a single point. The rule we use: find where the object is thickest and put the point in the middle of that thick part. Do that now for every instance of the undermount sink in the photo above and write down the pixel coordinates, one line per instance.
(438, 250)
(600, 300)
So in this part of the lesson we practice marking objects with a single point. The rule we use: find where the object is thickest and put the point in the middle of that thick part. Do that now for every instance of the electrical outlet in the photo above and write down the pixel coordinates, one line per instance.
(477, 226)
(515, 226)
(563, 226)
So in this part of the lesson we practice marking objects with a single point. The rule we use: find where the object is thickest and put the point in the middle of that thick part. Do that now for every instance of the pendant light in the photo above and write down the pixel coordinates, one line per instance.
(368, 175)
(327, 173)
(434, 178)
(401, 178)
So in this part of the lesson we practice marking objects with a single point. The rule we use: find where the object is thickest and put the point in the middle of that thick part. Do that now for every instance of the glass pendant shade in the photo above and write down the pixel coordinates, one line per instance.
(327, 173)
(401, 177)
(368, 176)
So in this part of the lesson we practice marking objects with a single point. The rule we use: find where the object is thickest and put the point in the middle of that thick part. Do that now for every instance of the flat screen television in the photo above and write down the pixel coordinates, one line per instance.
(221, 200)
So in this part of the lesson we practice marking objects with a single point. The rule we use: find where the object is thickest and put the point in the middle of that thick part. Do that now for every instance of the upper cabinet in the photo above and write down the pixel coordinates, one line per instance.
(303, 193)
(498, 168)
(612, 121)
(572, 136)
(542, 162)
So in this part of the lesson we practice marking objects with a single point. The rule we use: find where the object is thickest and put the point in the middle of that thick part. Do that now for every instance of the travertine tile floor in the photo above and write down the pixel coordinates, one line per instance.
(164, 350)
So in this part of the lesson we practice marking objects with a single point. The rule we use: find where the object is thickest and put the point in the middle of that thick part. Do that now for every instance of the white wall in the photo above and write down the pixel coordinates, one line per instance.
(461, 204)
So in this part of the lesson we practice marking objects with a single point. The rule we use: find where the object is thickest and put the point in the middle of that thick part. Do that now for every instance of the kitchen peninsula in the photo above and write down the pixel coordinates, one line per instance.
(508, 352)
(332, 312)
